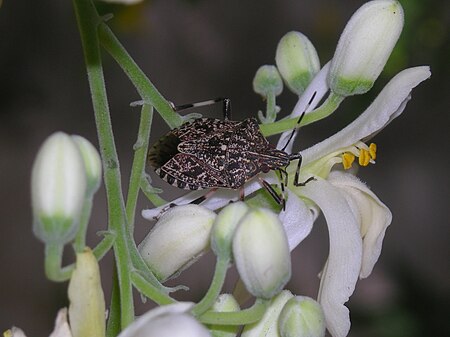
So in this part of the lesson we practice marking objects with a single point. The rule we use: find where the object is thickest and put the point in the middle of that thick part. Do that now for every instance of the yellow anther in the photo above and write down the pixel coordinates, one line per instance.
(373, 151)
(364, 157)
(347, 160)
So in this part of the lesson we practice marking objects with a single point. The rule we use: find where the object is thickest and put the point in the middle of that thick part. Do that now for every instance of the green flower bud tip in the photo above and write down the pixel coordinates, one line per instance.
(365, 46)
(267, 81)
(87, 302)
(177, 240)
(224, 303)
(297, 61)
(301, 317)
(58, 188)
(92, 163)
(261, 253)
(224, 227)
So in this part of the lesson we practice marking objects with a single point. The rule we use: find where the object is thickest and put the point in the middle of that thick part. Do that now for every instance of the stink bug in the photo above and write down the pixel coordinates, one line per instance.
(214, 153)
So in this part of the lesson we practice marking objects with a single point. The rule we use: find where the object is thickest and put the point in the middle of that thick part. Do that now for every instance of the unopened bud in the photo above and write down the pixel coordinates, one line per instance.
(58, 188)
(365, 46)
(224, 227)
(267, 81)
(166, 321)
(261, 253)
(297, 61)
(87, 303)
(267, 326)
(224, 303)
(177, 240)
(92, 163)
(301, 317)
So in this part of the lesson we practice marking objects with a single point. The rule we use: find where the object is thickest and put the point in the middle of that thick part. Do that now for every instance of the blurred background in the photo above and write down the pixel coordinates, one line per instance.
(196, 50)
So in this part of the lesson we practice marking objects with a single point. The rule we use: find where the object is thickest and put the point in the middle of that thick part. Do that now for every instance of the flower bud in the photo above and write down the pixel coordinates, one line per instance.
(297, 61)
(177, 240)
(92, 163)
(365, 46)
(267, 81)
(261, 253)
(224, 227)
(58, 188)
(87, 303)
(267, 326)
(166, 321)
(224, 303)
(301, 317)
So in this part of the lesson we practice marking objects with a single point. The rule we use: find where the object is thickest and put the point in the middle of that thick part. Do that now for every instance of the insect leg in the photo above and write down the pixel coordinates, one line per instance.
(204, 197)
(278, 199)
(298, 156)
(226, 106)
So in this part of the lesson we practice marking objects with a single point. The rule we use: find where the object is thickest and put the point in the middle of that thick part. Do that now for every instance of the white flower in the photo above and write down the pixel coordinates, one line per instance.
(167, 321)
(177, 240)
(58, 188)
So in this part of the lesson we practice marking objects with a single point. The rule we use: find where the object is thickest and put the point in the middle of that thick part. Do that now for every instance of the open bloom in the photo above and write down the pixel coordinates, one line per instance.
(356, 218)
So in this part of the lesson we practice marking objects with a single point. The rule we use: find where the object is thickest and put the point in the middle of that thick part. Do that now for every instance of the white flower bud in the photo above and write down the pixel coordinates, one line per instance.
(177, 240)
(297, 61)
(58, 188)
(301, 317)
(166, 321)
(224, 227)
(87, 303)
(365, 46)
(267, 326)
(267, 81)
(225, 303)
(92, 163)
(261, 253)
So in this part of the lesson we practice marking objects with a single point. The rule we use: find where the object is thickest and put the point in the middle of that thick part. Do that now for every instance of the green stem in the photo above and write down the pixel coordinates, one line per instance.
(104, 246)
(214, 289)
(144, 86)
(150, 290)
(53, 261)
(327, 108)
(88, 21)
(137, 169)
(271, 113)
(152, 193)
(80, 240)
(246, 316)
(113, 326)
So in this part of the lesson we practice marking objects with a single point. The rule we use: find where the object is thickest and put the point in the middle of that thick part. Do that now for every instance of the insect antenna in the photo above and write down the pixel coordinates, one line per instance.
(294, 130)
(225, 101)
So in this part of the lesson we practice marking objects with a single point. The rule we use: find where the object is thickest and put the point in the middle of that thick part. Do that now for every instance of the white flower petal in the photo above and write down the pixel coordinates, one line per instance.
(319, 86)
(389, 104)
(297, 220)
(375, 217)
(62, 328)
(341, 271)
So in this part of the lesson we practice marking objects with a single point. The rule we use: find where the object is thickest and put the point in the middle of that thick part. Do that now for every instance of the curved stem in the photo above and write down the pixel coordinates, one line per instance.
(137, 169)
(80, 240)
(150, 290)
(88, 21)
(327, 108)
(104, 246)
(246, 316)
(53, 261)
(214, 289)
(144, 86)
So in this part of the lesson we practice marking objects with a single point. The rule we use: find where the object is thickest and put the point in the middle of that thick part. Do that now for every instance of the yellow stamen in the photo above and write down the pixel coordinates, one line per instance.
(364, 157)
(347, 160)
(373, 151)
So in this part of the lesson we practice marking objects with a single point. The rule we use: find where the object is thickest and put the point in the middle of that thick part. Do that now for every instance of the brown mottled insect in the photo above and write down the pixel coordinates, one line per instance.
(213, 153)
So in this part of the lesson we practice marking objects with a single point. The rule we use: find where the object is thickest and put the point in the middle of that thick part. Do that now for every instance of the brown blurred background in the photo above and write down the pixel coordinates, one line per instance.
(195, 50)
